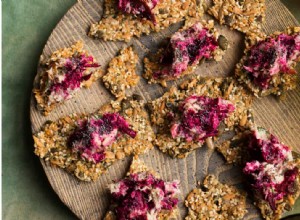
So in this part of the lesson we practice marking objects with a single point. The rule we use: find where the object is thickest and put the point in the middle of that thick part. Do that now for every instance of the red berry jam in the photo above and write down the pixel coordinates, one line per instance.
(142, 8)
(186, 48)
(143, 196)
(70, 77)
(92, 136)
(272, 56)
(200, 117)
(270, 170)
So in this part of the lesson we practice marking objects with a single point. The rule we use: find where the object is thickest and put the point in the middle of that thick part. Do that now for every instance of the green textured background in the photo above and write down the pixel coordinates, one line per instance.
(26, 25)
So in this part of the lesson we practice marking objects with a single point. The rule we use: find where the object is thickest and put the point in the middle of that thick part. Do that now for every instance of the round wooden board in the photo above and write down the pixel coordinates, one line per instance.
(90, 200)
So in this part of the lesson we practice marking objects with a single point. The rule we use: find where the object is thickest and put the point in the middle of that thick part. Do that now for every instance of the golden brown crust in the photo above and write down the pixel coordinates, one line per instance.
(286, 204)
(232, 148)
(214, 200)
(151, 62)
(50, 70)
(235, 151)
(138, 166)
(226, 88)
(245, 15)
(121, 73)
(51, 141)
(280, 83)
(116, 26)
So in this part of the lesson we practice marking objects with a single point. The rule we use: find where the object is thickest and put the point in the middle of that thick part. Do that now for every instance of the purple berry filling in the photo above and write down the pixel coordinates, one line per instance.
(143, 196)
(72, 77)
(200, 117)
(142, 8)
(270, 172)
(267, 148)
(272, 56)
(92, 136)
(186, 48)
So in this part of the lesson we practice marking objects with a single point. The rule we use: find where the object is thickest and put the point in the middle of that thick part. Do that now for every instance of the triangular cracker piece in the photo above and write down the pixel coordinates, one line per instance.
(142, 194)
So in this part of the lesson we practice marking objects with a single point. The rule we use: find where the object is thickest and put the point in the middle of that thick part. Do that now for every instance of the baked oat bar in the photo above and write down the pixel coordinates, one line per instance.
(142, 194)
(63, 74)
(121, 73)
(268, 66)
(86, 145)
(198, 111)
(214, 200)
(243, 15)
(124, 19)
(272, 173)
(188, 47)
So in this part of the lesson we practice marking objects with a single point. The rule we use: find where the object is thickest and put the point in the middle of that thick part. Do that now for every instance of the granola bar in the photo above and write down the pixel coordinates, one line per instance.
(243, 15)
(272, 173)
(268, 66)
(188, 47)
(214, 200)
(172, 114)
(63, 74)
(86, 145)
(142, 194)
(121, 73)
(120, 24)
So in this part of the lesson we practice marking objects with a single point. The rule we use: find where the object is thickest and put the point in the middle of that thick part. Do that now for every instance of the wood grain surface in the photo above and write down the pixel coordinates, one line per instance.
(90, 200)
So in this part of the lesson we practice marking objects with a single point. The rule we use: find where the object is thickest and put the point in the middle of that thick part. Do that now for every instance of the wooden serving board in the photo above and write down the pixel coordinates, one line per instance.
(90, 200)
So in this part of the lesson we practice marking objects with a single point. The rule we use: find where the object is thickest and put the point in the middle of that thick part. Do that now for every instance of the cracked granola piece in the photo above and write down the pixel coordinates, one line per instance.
(268, 66)
(188, 47)
(63, 74)
(243, 15)
(121, 73)
(142, 194)
(124, 23)
(86, 145)
(234, 114)
(232, 149)
(272, 173)
(214, 200)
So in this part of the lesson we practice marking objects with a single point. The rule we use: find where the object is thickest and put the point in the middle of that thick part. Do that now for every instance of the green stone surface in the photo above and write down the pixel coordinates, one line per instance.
(26, 26)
